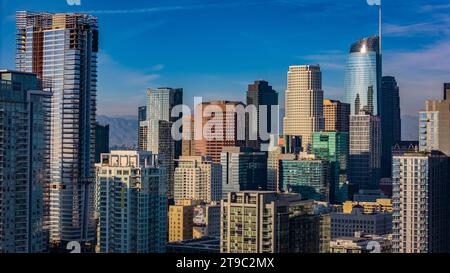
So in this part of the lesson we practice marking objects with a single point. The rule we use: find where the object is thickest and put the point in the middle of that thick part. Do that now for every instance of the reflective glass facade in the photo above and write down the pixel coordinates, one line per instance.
(334, 147)
(23, 162)
(363, 76)
(309, 178)
(62, 50)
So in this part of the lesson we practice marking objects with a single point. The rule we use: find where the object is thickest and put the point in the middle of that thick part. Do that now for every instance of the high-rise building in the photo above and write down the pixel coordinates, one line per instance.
(434, 131)
(101, 140)
(222, 126)
(159, 121)
(160, 142)
(363, 76)
(188, 141)
(243, 169)
(446, 91)
(273, 223)
(365, 151)
(197, 178)
(304, 103)
(142, 128)
(336, 115)
(181, 221)
(142, 113)
(131, 203)
(23, 162)
(420, 202)
(272, 169)
(334, 147)
(306, 175)
(391, 127)
(61, 48)
(261, 95)
(160, 104)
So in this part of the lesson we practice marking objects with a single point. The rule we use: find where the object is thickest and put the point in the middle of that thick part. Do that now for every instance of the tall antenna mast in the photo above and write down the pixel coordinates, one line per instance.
(380, 30)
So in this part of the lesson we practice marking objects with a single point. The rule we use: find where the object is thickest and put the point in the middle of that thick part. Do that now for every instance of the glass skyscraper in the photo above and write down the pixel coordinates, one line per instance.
(334, 147)
(365, 151)
(23, 162)
(160, 103)
(363, 76)
(261, 94)
(390, 122)
(61, 49)
(101, 140)
(307, 175)
(243, 169)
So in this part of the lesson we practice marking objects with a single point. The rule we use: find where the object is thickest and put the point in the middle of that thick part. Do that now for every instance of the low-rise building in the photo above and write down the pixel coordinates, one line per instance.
(361, 244)
(347, 224)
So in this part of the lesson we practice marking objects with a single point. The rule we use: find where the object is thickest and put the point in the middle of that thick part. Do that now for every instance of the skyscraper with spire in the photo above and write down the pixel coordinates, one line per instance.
(363, 76)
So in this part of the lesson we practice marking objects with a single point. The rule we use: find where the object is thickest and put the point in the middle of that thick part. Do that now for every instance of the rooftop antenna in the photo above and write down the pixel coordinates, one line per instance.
(380, 23)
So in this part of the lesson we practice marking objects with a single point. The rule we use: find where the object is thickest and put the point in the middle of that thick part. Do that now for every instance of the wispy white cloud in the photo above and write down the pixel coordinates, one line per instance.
(123, 89)
(328, 60)
(159, 9)
(435, 7)
(420, 73)
(439, 27)
(158, 67)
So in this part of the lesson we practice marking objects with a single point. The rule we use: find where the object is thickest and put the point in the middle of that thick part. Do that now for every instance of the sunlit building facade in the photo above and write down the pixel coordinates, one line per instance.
(420, 202)
(304, 103)
(61, 48)
(434, 123)
(198, 178)
(131, 203)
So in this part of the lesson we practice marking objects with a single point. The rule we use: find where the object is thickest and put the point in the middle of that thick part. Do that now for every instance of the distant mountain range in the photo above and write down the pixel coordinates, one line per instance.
(124, 130)
(410, 128)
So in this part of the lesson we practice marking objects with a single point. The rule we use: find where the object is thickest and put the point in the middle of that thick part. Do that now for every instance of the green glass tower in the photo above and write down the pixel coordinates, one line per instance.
(334, 147)
(306, 175)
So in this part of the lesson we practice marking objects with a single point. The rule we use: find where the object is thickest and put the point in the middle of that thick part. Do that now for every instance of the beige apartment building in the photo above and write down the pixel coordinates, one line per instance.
(434, 131)
(268, 222)
(304, 103)
(198, 178)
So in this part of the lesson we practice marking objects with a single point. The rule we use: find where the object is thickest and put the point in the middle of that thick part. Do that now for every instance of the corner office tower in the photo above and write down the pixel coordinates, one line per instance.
(61, 49)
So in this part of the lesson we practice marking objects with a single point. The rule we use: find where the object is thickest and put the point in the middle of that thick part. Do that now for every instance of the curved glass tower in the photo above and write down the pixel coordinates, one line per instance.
(363, 76)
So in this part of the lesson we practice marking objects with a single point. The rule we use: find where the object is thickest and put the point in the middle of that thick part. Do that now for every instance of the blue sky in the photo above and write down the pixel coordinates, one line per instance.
(214, 48)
